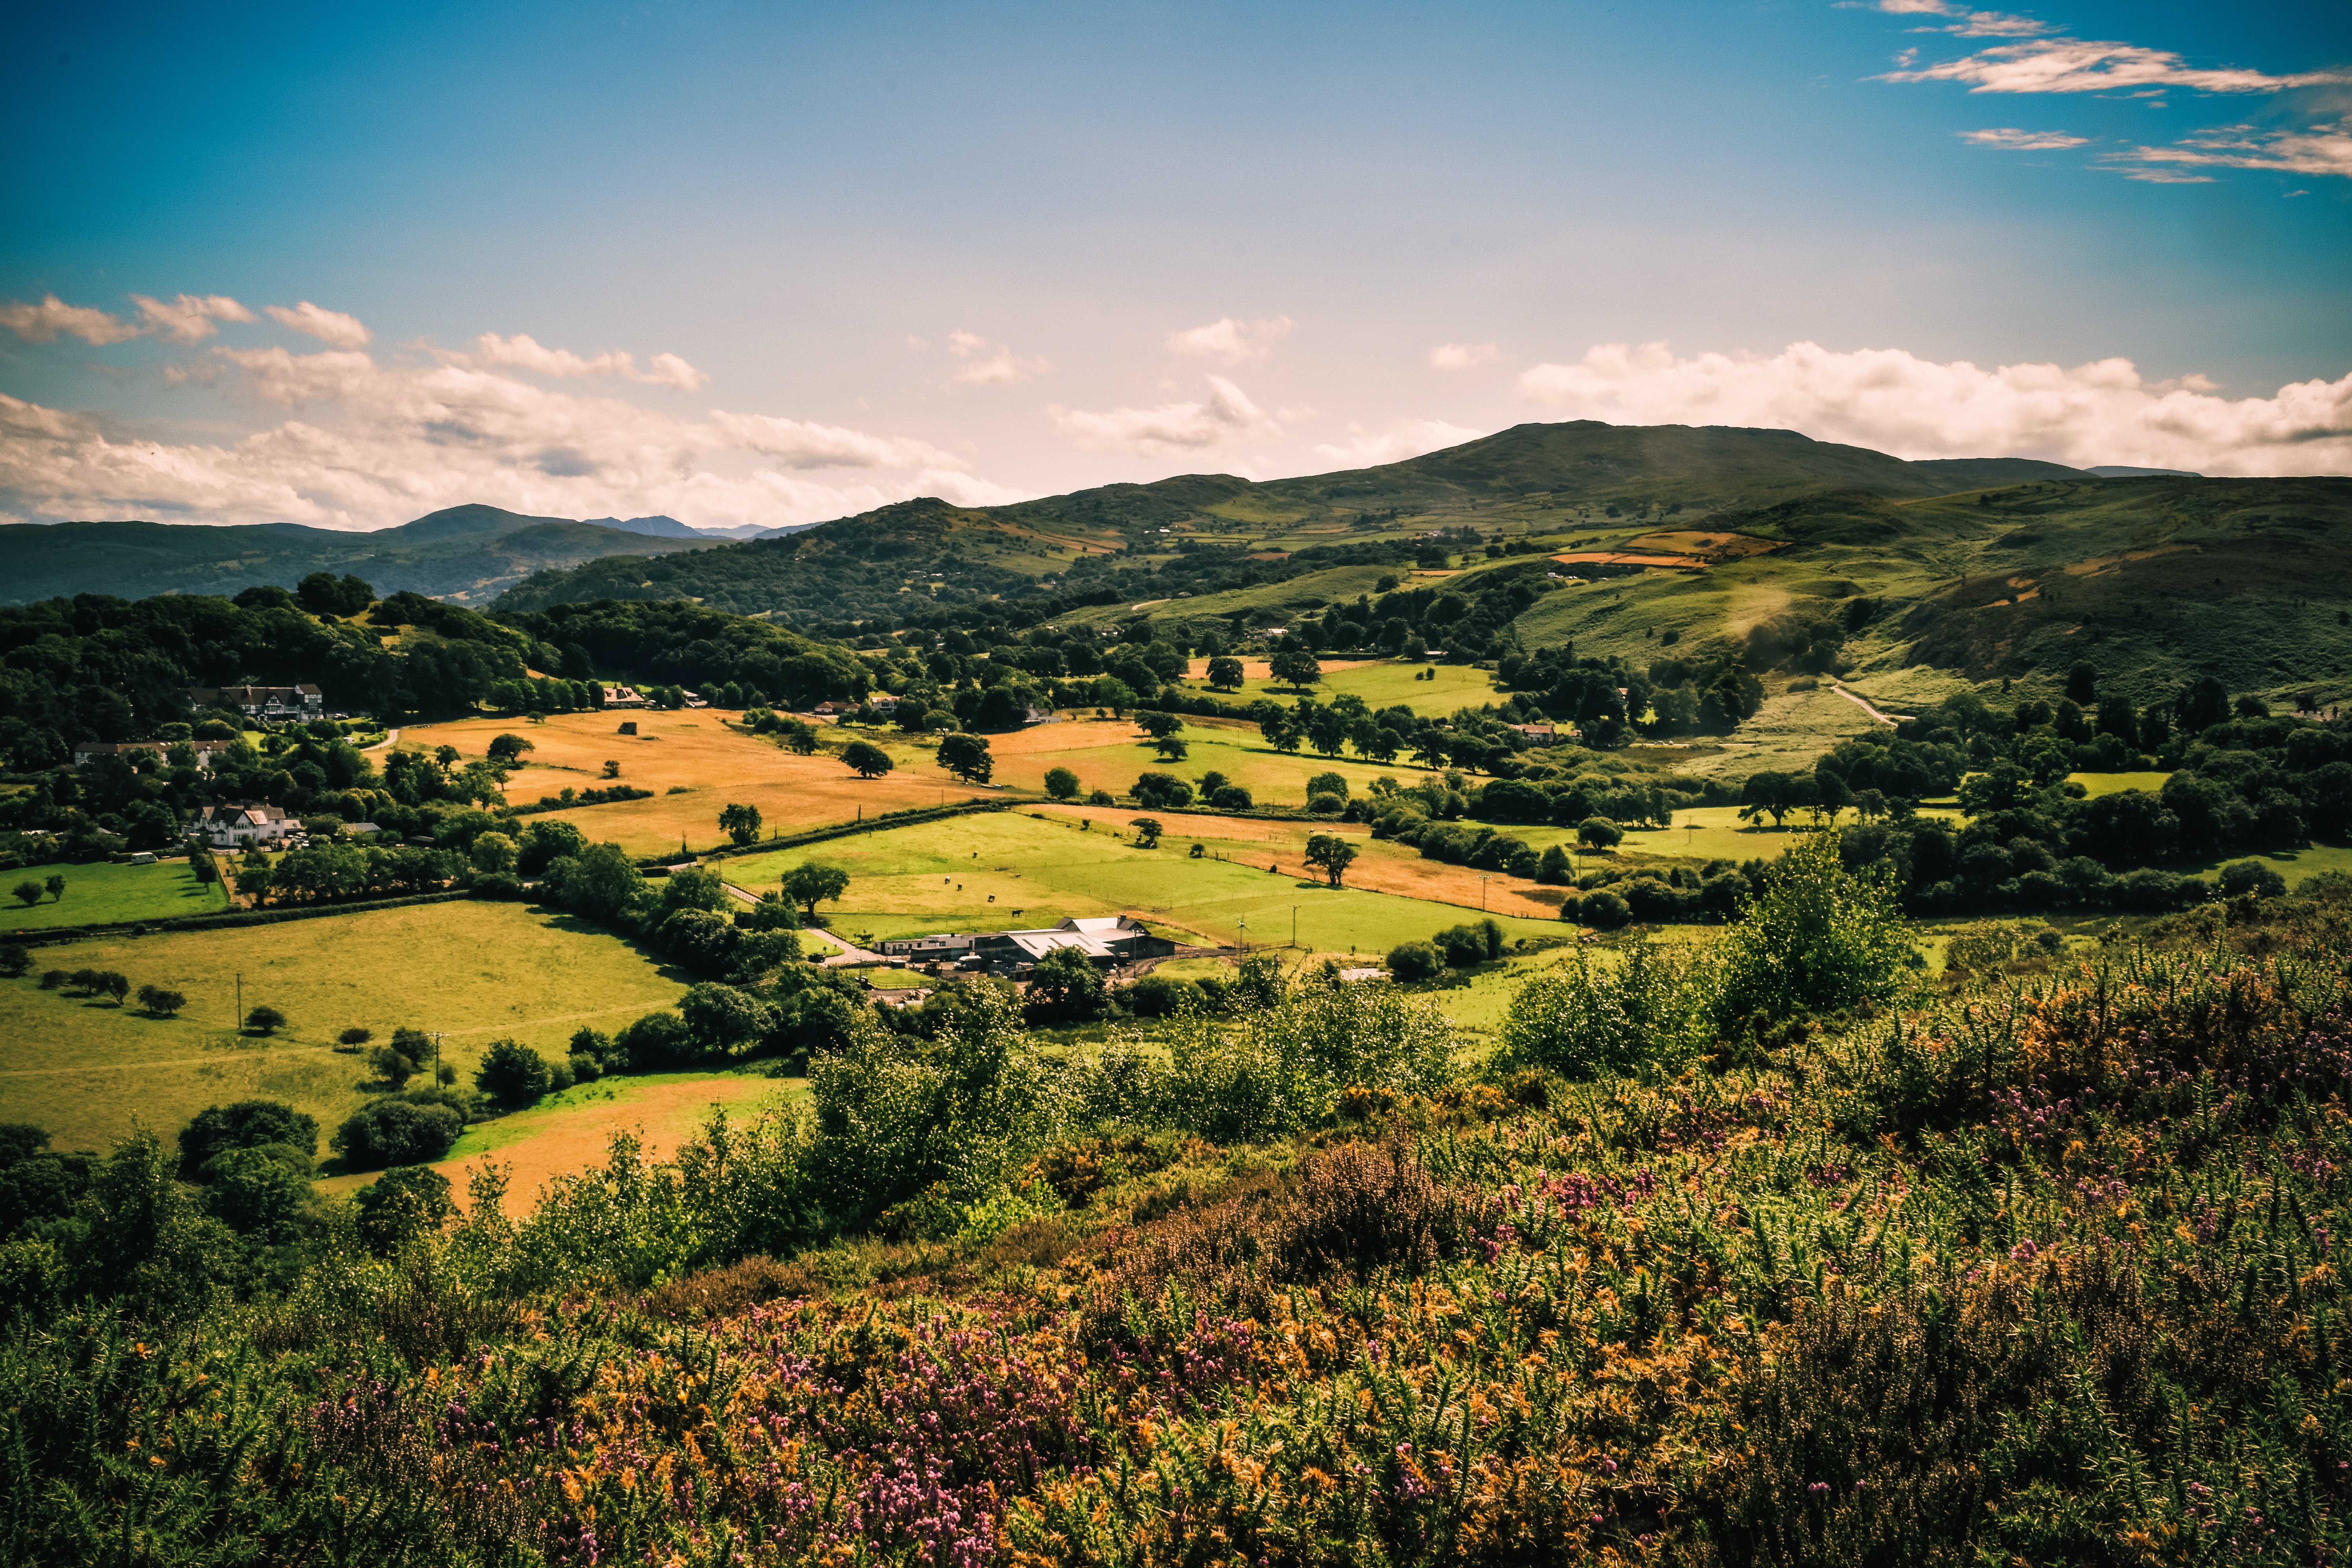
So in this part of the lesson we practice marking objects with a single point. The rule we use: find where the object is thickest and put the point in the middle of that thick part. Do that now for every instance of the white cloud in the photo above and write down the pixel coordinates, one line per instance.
(2014, 141)
(2077, 65)
(41, 323)
(1406, 438)
(189, 318)
(1001, 368)
(524, 353)
(329, 327)
(1462, 356)
(2323, 150)
(1229, 342)
(1224, 418)
(1891, 401)
(1964, 22)
(961, 342)
(363, 444)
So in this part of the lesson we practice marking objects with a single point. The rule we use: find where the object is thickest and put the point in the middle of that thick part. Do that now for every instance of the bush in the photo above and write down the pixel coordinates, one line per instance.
(1582, 1018)
(585, 1068)
(248, 1124)
(265, 1020)
(1279, 1069)
(160, 1002)
(401, 1206)
(512, 1075)
(1600, 908)
(2252, 878)
(15, 959)
(1468, 945)
(1102, 797)
(1819, 940)
(1414, 960)
(1326, 805)
(1159, 996)
(355, 1036)
(393, 1067)
(397, 1132)
(1231, 797)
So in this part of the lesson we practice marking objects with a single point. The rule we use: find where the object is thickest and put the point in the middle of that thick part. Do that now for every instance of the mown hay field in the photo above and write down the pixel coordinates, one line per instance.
(573, 1130)
(694, 751)
(103, 894)
(1020, 869)
(87, 1070)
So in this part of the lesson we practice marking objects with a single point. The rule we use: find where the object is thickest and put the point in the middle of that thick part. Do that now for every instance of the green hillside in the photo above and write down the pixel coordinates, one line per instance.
(463, 553)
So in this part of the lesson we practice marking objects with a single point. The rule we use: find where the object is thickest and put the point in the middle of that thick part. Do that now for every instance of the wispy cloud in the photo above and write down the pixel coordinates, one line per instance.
(1891, 401)
(1230, 342)
(1964, 23)
(189, 318)
(2015, 141)
(1225, 417)
(43, 322)
(523, 352)
(331, 327)
(1001, 368)
(1406, 438)
(1462, 356)
(2319, 150)
(2077, 65)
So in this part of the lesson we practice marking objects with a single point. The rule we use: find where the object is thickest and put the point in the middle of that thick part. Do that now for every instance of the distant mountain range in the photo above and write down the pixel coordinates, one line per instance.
(466, 554)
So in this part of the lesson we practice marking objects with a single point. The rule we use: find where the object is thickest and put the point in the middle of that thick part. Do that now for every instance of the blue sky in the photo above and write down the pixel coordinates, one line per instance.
(987, 251)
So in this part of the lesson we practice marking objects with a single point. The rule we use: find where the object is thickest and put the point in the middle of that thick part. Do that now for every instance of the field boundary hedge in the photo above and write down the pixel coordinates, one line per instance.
(912, 817)
(173, 924)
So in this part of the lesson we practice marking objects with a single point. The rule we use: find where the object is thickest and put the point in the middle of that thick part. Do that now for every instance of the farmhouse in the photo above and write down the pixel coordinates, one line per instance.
(237, 826)
(624, 697)
(301, 701)
(1107, 940)
(87, 752)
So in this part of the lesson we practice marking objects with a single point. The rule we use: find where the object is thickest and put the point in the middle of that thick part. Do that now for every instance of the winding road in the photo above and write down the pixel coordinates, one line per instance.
(1866, 706)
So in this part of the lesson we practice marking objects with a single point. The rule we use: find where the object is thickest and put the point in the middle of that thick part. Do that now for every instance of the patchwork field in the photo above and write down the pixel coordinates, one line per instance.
(102, 894)
(1018, 868)
(1111, 756)
(87, 1070)
(1382, 682)
(693, 751)
(571, 1130)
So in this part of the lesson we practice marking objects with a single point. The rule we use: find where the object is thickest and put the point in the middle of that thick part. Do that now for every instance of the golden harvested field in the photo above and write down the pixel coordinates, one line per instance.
(87, 1070)
(696, 751)
(571, 1130)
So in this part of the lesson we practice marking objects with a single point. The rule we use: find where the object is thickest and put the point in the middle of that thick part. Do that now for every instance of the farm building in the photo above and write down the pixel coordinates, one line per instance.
(237, 826)
(300, 701)
(1109, 940)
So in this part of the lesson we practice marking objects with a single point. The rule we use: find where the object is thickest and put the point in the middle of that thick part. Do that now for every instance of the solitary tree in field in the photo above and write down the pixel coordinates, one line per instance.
(1598, 833)
(1171, 748)
(264, 1020)
(870, 761)
(1158, 725)
(115, 985)
(740, 823)
(30, 890)
(1226, 674)
(1147, 832)
(797, 736)
(1330, 854)
(508, 750)
(1296, 667)
(393, 1067)
(57, 885)
(160, 1003)
(1061, 783)
(967, 757)
(815, 882)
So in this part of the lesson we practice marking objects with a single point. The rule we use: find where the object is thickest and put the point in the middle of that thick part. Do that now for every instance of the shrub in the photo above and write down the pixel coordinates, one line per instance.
(15, 959)
(1326, 805)
(247, 1124)
(265, 1020)
(1582, 1018)
(401, 1206)
(1061, 783)
(160, 1002)
(55, 979)
(1468, 945)
(393, 1067)
(585, 1068)
(1280, 1069)
(355, 1036)
(1819, 940)
(397, 1132)
(1231, 797)
(1159, 996)
(512, 1075)
(1599, 833)
(2252, 878)
(1102, 797)
(1414, 960)
(1600, 908)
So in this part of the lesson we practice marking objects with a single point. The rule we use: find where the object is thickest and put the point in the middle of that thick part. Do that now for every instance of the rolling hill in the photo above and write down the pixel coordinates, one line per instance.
(466, 554)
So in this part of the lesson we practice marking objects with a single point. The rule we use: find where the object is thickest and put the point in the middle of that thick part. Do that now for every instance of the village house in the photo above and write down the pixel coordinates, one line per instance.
(301, 701)
(241, 827)
(624, 697)
(87, 752)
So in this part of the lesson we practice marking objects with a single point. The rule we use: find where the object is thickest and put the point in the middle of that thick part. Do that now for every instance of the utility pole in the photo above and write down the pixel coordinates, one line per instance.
(1294, 925)
(238, 1022)
(437, 1037)
(1244, 935)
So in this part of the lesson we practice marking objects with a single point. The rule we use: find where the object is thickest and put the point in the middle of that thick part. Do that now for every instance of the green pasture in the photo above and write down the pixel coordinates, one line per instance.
(984, 872)
(2097, 785)
(1385, 684)
(87, 1070)
(104, 894)
(1112, 758)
